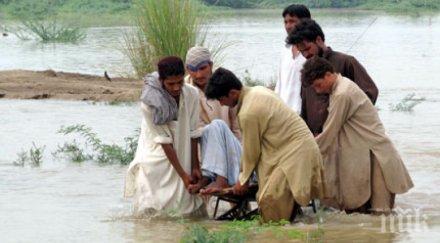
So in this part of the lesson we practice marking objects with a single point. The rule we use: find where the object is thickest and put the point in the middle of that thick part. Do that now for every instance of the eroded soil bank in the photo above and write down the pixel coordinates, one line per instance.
(23, 84)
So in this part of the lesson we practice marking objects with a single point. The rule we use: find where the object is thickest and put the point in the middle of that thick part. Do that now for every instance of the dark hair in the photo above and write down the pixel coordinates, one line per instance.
(315, 68)
(306, 30)
(221, 82)
(170, 66)
(298, 10)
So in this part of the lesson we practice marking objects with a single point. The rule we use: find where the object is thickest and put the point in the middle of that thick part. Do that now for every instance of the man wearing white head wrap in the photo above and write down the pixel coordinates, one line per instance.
(220, 149)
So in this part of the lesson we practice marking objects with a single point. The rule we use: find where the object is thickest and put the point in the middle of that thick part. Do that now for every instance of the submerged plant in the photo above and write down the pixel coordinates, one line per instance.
(50, 31)
(72, 152)
(101, 152)
(407, 104)
(248, 80)
(22, 158)
(34, 156)
(199, 234)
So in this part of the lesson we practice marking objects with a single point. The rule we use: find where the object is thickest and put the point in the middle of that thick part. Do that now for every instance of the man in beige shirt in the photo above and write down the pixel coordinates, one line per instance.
(362, 169)
(276, 144)
(220, 142)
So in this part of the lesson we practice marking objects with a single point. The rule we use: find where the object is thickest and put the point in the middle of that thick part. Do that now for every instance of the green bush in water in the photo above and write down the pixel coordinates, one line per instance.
(407, 104)
(166, 28)
(52, 31)
(199, 234)
(101, 152)
(249, 81)
(72, 152)
(163, 28)
(34, 156)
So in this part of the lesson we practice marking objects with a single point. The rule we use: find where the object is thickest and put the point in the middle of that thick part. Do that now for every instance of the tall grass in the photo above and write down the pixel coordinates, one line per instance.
(52, 31)
(164, 28)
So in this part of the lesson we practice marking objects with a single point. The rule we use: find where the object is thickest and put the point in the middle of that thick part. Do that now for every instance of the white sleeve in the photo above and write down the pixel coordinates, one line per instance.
(161, 133)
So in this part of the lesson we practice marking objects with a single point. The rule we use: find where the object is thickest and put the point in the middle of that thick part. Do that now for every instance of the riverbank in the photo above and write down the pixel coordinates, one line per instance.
(24, 84)
(117, 14)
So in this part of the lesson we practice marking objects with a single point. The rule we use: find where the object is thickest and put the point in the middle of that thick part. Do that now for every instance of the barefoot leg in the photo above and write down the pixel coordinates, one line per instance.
(219, 184)
(195, 188)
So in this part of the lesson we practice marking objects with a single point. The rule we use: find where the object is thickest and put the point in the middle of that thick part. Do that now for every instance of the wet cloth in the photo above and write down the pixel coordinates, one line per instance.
(314, 106)
(352, 139)
(151, 179)
(276, 139)
(288, 85)
(220, 152)
(161, 103)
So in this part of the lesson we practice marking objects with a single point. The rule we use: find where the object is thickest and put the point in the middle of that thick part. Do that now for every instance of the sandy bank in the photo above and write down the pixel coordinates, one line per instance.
(22, 84)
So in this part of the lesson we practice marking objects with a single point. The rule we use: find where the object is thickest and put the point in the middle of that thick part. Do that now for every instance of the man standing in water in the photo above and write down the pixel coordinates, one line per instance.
(220, 141)
(166, 162)
(363, 169)
(310, 41)
(288, 85)
(276, 144)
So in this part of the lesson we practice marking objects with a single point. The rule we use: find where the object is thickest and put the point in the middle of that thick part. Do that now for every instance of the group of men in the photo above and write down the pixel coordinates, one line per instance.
(318, 136)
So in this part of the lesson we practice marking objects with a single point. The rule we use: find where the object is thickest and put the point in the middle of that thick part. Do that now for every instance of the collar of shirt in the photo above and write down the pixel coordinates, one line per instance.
(335, 85)
(243, 93)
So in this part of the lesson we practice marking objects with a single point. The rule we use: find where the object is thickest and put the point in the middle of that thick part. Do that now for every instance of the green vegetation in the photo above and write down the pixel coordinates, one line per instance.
(199, 234)
(407, 104)
(50, 31)
(389, 5)
(101, 152)
(34, 156)
(118, 12)
(158, 25)
(240, 231)
(248, 80)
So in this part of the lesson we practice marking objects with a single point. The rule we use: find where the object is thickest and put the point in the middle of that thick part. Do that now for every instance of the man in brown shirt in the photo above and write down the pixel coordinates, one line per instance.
(310, 40)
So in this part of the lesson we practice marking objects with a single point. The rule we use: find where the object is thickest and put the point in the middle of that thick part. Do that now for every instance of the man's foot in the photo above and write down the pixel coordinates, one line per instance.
(195, 188)
(218, 185)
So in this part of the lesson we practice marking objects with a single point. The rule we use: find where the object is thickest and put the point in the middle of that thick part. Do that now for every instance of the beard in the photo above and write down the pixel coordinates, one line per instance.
(320, 52)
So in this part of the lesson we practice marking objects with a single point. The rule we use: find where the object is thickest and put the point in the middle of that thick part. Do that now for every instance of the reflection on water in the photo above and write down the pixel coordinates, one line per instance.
(78, 202)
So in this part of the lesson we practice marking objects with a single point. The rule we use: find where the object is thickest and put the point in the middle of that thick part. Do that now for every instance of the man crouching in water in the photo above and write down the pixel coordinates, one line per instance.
(276, 144)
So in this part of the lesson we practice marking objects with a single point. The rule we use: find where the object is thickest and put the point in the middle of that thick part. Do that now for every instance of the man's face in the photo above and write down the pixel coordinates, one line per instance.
(290, 22)
(231, 100)
(173, 85)
(201, 74)
(323, 85)
(309, 49)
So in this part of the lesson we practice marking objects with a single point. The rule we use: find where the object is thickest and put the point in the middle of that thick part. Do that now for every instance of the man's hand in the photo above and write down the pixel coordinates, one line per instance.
(196, 175)
(187, 181)
(239, 189)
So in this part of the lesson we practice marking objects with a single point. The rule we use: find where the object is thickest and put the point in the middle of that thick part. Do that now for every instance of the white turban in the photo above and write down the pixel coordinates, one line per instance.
(196, 55)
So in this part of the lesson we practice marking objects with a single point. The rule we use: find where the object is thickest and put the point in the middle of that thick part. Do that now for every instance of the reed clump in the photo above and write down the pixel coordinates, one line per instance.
(52, 31)
(166, 28)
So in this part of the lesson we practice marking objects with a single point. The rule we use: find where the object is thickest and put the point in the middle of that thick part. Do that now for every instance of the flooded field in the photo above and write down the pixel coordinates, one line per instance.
(62, 201)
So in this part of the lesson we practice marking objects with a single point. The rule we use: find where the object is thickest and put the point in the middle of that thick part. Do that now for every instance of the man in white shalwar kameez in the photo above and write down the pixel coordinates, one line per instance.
(157, 183)
(288, 85)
